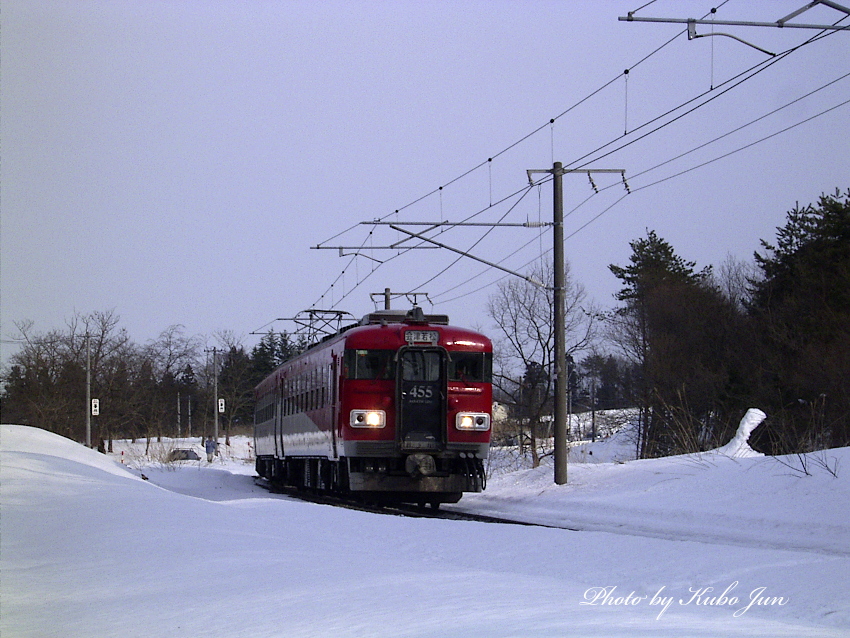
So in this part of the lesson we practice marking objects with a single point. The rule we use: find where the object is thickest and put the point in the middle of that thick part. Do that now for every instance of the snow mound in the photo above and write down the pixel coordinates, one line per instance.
(23, 439)
(738, 446)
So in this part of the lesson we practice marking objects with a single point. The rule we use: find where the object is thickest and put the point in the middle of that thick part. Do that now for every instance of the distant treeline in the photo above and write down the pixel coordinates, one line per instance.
(691, 349)
(163, 388)
(774, 334)
(694, 349)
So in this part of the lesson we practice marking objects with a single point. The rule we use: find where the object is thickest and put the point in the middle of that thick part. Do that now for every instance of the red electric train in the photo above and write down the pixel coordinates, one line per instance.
(394, 408)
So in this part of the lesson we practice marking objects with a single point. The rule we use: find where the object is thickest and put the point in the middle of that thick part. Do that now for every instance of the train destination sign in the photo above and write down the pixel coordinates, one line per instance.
(422, 336)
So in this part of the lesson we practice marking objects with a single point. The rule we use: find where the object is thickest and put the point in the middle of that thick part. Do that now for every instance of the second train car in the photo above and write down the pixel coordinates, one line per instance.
(395, 408)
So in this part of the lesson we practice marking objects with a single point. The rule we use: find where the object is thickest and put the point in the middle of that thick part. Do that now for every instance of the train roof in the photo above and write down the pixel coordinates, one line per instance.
(416, 315)
(394, 322)
(380, 333)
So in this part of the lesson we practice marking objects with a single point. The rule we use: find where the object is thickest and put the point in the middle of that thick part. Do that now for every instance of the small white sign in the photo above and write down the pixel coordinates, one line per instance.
(95, 407)
(221, 406)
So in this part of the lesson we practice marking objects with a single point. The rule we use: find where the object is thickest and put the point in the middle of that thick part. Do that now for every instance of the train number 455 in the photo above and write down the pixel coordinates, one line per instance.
(421, 392)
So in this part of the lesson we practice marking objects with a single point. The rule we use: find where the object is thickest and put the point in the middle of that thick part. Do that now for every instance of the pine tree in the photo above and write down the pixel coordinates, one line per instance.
(673, 328)
(273, 350)
(654, 263)
(801, 310)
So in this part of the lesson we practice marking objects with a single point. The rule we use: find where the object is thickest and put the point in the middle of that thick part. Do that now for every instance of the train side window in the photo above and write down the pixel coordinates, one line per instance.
(370, 364)
(471, 367)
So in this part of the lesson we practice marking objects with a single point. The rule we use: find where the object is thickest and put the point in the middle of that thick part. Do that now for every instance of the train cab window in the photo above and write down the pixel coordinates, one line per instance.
(420, 365)
(370, 364)
(471, 367)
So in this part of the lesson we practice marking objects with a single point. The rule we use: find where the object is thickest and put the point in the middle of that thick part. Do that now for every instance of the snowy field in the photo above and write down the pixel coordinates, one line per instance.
(727, 543)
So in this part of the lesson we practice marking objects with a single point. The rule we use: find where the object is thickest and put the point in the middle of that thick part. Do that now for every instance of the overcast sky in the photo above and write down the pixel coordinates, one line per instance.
(176, 161)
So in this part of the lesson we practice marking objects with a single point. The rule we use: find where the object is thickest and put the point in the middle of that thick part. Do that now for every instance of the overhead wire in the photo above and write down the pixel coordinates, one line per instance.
(405, 250)
(600, 214)
(678, 174)
(743, 126)
(478, 241)
(488, 269)
(742, 148)
(737, 80)
(551, 121)
(744, 76)
(496, 155)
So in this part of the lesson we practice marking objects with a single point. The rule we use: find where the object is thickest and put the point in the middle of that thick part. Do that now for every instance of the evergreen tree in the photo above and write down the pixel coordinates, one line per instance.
(654, 264)
(801, 311)
(675, 327)
(273, 350)
(606, 379)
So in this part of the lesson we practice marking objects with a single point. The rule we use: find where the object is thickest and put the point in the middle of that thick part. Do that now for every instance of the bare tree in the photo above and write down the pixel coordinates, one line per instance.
(173, 350)
(524, 363)
(236, 381)
(163, 361)
(46, 384)
(734, 278)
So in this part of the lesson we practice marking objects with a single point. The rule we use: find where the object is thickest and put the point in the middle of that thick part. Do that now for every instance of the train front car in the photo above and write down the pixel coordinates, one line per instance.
(416, 399)
(396, 408)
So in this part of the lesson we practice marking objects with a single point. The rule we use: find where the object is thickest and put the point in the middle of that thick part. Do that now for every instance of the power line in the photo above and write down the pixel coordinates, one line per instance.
(669, 177)
(743, 126)
(635, 189)
(742, 148)
(525, 137)
(404, 251)
(490, 230)
(436, 296)
(736, 81)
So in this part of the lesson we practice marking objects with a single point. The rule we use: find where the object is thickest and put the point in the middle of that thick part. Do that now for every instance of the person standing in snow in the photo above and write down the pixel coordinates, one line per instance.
(210, 446)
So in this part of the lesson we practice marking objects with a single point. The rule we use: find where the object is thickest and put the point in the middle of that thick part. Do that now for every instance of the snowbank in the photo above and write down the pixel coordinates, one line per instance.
(705, 545)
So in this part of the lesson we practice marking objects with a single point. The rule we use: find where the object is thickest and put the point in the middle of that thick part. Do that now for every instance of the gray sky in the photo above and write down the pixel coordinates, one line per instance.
(175, 161)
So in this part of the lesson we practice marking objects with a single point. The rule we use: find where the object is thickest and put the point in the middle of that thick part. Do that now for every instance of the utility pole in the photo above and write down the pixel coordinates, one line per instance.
(570, 411)
(593, 410)
(215, 397)
(561, 378)
(215, 386)
(88, 391)
(561, 375)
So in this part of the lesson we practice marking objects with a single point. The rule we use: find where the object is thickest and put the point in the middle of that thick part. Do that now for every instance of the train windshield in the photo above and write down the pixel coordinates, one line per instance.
(471, 367)
(420, 365)
(370, 364)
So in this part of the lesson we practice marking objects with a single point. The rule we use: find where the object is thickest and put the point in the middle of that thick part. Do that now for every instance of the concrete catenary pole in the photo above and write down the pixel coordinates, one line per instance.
(215, 390)
(561, 377)
(88, 391)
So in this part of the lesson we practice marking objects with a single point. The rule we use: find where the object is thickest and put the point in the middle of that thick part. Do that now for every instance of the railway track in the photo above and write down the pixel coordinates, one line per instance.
(400, 509)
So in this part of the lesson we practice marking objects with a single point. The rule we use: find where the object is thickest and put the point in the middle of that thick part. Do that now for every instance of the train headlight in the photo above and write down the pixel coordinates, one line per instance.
(472, 421)
(368, 418)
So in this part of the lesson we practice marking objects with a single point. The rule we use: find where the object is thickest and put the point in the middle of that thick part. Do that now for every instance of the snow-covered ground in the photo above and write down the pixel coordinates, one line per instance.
(715, 544)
